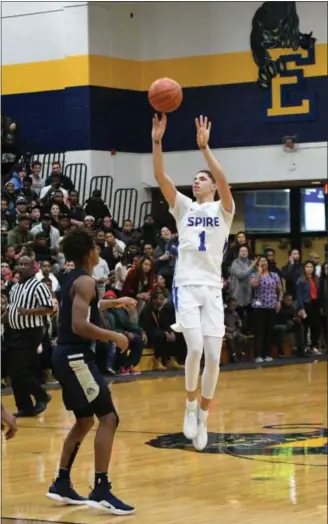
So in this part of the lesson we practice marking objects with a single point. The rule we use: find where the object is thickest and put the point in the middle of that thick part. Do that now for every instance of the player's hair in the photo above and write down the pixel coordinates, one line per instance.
(77, 245)
(208, 173)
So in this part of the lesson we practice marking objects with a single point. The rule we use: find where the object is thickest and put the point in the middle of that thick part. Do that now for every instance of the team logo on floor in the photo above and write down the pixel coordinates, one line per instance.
(271, 444)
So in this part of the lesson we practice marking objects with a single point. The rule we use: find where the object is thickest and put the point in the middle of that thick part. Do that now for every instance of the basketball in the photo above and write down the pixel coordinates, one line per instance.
(165, 95)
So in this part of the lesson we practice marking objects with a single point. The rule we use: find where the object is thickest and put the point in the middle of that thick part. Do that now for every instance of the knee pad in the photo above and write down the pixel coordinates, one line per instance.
(194, 342)
(212, 349)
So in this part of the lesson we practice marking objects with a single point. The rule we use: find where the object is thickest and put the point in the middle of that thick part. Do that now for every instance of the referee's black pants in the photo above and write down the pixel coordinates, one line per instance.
(23, 367)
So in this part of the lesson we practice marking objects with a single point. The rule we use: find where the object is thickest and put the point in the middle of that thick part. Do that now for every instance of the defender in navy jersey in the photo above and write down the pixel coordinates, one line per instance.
(84, 390)
(203, 228)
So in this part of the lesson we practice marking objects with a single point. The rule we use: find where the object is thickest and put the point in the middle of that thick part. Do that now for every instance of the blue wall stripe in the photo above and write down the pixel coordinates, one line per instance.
(97, 118)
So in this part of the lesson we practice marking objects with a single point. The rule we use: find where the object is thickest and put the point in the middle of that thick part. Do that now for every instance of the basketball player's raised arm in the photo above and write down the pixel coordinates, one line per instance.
(203, 127)
(84, 293)
(164, 181)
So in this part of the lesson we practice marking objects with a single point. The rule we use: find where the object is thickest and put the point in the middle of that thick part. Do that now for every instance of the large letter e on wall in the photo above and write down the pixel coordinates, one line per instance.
(290, 96)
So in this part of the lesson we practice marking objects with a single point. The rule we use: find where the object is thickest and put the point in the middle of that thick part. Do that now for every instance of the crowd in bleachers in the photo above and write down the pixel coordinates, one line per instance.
(263, 302)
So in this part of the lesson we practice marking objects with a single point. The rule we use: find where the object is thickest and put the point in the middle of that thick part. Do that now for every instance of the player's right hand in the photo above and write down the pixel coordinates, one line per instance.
(159, 127)
(121, 341)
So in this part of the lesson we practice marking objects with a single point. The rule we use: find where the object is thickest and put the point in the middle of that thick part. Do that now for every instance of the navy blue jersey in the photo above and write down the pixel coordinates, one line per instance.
(66, 336)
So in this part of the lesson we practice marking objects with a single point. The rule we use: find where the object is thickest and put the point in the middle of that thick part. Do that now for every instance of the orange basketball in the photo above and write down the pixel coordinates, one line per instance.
(165, 95)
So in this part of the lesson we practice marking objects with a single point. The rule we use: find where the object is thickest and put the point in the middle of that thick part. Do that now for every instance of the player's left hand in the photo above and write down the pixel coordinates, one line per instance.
(203, 127)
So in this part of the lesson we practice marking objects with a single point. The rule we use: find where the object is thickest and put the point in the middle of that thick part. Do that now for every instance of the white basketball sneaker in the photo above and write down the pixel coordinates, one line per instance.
(190, 420)
(201, 439)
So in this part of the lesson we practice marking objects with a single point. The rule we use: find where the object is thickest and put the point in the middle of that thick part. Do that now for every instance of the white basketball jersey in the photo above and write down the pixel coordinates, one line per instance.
(203, 235)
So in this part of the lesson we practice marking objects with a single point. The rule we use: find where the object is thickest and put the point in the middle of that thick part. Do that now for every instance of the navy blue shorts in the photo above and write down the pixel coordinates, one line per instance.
(84, 389)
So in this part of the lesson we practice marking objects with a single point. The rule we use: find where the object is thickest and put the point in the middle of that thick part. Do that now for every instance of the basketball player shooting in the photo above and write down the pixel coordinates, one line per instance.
(203, 227)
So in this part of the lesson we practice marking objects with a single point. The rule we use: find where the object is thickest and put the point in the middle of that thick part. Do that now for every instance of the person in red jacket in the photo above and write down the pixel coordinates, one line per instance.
(139, 282)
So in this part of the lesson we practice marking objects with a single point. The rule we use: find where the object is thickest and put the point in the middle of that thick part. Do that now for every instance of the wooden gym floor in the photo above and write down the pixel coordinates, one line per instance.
(266, 463)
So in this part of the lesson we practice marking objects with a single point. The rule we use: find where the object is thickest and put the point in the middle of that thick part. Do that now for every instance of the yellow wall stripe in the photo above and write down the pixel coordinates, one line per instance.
(191, 71)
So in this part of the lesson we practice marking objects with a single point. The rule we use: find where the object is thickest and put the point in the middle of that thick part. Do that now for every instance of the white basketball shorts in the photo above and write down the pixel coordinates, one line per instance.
(199, 307)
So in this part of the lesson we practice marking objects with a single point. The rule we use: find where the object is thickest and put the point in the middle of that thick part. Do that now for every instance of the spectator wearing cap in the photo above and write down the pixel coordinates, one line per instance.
(64, 223)
(41, 247)
(27, 192)
(37, 182)
(20, 235)
(96, 207)
(65, 181)
(20, 209)
(10, 193)
(51, 232)
(16, 176)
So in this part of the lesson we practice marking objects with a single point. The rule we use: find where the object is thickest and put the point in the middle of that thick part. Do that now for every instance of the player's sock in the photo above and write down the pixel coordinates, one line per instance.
(63, 474)
(200, 441)
(101, 497)
(101, 479)
(190, 419)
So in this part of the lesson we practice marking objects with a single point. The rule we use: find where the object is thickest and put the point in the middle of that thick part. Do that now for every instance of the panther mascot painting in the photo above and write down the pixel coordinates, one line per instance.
(275, 25)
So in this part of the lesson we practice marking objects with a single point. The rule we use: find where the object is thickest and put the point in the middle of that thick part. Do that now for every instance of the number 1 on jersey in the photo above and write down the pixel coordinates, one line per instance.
(202, 246)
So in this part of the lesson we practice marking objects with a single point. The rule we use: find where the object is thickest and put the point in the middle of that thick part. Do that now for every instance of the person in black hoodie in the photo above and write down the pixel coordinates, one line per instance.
(287, 321)
(96, 207)
(271, 256)
(292, 271)
(148, 232)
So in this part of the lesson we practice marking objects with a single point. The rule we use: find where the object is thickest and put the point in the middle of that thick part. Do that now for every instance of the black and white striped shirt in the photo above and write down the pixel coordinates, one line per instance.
(30, 294)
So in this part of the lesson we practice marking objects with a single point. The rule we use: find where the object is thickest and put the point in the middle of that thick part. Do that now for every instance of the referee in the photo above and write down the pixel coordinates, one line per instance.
(29, 301)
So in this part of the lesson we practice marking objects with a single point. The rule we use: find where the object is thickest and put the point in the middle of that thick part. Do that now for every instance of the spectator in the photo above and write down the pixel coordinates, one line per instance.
(308, 305)
(20, 209)
(55, 212)
(113, 242)
(51, 232)
(148, 251)
(48, 192)
(16, 176)
(41, 248)
(156, 319)
(10, 194)
(117, 319)
(37, 182)
(20, 235)
(9, 256)
(233, 249)
(46, 273)
(160, 286)
(165, 263)
(266, 303)
(314, 257)
(271, 256)
(96, 207)
(235, 339)
(289, 322)
(89, 223)
(35, 216)
(240, 285)
(121, 269)
(292, 272)
(27, 192)
(58, 198)
(139, 282)
(126, 234)
(65, 182)
(323, 300)
(101, 274)
(148, 231)
(76, 211)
